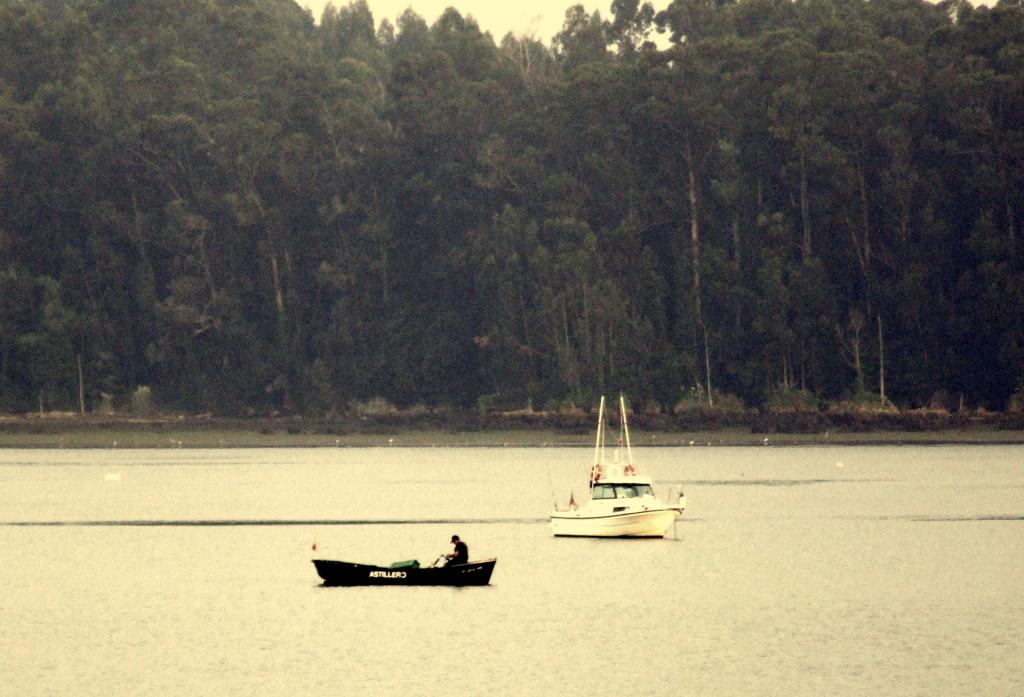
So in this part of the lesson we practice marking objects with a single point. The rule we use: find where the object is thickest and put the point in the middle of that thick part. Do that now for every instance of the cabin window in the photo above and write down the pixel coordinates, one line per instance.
(620, 491)
(629, 491)
(634, 490)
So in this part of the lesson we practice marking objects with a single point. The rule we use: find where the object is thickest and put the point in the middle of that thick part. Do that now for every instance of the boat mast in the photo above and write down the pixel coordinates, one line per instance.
(625, 431)
(598, 455)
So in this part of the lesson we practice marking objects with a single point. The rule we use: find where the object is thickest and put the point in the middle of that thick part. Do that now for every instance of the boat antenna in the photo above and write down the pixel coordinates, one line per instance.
(598, 443)
(625, 431)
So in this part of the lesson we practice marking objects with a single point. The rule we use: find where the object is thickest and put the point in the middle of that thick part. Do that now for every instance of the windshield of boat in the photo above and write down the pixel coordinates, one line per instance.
(620, 491)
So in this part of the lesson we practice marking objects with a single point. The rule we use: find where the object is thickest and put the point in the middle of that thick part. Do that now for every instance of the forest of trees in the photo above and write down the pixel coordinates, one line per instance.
(232, 206)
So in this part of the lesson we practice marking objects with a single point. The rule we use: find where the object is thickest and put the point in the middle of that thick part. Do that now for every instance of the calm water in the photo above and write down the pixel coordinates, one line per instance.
(796, 571)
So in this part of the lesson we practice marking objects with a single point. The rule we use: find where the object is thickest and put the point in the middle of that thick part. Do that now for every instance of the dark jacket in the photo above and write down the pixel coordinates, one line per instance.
(461, 554)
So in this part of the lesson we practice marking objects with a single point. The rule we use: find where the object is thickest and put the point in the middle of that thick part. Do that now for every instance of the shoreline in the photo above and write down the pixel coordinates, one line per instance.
(92, 431)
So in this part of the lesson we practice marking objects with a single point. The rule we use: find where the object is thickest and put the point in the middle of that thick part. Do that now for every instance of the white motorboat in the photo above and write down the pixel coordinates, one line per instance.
(621, 500)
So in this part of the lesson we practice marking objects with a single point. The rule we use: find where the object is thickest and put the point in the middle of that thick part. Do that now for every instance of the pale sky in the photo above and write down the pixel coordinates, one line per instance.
(541, 19)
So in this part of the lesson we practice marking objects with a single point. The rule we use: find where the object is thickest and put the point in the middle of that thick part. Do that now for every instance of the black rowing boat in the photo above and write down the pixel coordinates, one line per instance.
(344, 573)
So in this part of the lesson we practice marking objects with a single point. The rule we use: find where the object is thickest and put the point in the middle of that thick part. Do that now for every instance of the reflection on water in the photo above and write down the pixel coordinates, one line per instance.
(326, 522)
(967, 519)
(189, 572)
(777, 482)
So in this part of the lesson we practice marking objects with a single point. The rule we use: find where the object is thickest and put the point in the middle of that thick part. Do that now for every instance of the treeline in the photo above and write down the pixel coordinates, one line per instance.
(225, 206)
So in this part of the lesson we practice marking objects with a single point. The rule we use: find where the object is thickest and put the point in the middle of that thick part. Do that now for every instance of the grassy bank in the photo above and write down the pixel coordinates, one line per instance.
(204, 432)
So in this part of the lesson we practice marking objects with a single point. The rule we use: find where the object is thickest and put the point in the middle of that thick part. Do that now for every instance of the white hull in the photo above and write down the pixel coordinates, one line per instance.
(580, 523)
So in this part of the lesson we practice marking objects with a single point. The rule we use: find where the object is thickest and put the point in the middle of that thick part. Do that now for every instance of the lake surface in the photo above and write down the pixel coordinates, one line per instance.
(794, 571)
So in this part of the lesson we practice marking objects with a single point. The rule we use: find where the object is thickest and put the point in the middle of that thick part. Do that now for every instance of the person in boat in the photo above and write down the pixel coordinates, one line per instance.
(461, 553)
